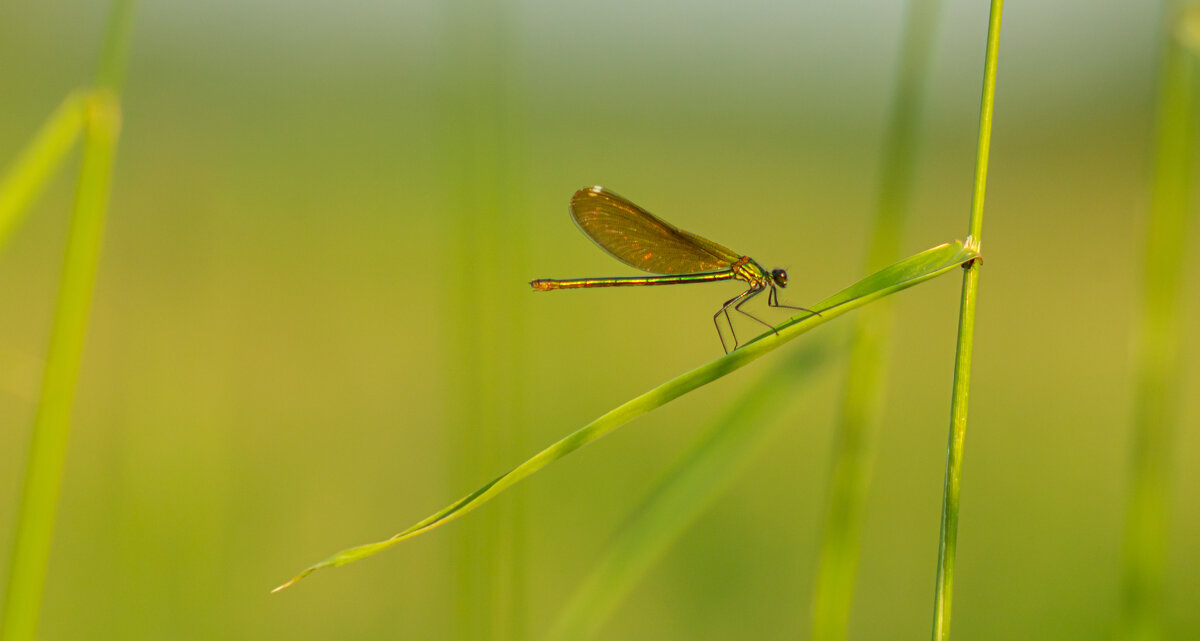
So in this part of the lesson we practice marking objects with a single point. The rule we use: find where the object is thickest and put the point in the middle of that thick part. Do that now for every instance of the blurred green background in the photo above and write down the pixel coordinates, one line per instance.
(313, 326)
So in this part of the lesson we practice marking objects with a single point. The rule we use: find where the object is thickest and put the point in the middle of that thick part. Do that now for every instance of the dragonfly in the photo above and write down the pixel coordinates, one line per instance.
(644, 241)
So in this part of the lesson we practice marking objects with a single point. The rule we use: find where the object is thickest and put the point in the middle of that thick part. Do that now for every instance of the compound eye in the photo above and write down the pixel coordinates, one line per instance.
(780, 277)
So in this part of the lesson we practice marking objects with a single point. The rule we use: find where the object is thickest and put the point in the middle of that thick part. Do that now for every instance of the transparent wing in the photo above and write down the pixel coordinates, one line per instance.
(640, 239)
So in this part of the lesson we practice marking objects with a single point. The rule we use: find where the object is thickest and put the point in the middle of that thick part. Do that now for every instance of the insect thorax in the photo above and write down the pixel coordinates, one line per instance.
(746, 269)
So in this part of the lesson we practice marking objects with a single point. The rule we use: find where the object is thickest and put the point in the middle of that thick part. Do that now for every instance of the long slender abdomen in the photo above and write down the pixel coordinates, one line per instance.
(544, 284)
(549, 284)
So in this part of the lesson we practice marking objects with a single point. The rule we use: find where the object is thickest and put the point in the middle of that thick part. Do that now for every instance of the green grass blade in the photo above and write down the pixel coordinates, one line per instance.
(863, 394)
(1187, 28)
(684, 493)
(902, 275)
(100, 111)
(948, 541)
(39, 161)
(481, 174)
(1157, 405)
(35, 518)
(110, 72)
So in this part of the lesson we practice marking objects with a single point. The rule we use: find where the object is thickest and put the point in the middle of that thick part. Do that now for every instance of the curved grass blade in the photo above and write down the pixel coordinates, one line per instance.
(691, 485)
(902, 275)
(39, 161)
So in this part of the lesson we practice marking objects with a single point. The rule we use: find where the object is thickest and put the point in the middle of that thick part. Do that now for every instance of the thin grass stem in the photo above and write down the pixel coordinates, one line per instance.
(39, 161)
(864, 387)
(51, 427)
(48, 447)
(1158, 369)
(947, 546)
(480, 178)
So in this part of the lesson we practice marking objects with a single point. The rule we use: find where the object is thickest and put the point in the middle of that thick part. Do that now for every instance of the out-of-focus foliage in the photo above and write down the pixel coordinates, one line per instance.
(268, 373)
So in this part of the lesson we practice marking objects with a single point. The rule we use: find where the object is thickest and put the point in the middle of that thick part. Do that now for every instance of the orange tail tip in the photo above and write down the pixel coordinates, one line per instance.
(542, 285)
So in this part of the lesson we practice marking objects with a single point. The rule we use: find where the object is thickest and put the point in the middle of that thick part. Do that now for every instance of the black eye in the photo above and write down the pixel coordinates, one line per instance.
(780, 277)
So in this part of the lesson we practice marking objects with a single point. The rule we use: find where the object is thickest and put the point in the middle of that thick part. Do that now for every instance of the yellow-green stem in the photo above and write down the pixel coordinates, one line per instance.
(48, 447)
(489, 573)
(39, 161)
(862, 397)
(48, 443)
(1157, 399)
(947, 546)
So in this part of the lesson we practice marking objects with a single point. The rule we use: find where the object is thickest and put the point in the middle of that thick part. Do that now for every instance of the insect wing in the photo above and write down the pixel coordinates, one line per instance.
(640, 239)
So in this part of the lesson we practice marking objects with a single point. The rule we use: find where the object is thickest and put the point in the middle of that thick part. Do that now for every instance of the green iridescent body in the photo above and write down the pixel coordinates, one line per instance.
(639, 239)
(750, 271)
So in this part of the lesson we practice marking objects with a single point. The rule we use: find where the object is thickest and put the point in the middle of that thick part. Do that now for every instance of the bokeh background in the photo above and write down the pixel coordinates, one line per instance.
(312, 325)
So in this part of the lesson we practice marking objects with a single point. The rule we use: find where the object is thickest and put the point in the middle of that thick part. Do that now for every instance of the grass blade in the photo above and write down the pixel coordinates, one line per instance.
(100, 111)
(947, 545)
(478, 120)
(863, 394)
(684, 493)
(1157, 405)
(35, 518)
(39, 161)
(902, 275)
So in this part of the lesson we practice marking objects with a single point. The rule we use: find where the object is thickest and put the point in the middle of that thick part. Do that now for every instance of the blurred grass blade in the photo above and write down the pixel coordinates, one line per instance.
(100, 111)
(948, 539)
(902, 275)
(863, 393)
(1187, 28)
(114, 57)
(35, 519)
(38, 162)
(685, 492)
(1157, 405)
(481, 175)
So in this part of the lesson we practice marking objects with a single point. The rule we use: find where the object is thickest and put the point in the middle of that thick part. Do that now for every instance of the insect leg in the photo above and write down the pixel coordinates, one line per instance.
(746, 296)
(773, 301)
(720, 334)
(736, 300)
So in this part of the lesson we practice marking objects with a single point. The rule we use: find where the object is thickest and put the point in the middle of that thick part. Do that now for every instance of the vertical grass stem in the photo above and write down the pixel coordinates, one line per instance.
(34, 529)
(1158, 369)
(947, 546)
(35, 517)
(863, 395)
